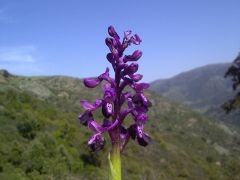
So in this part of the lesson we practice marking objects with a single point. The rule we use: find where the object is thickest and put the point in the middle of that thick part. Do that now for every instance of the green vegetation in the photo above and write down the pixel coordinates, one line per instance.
(40, 137)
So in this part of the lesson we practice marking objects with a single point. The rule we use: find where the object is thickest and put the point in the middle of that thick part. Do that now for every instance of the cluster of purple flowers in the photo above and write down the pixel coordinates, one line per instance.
(117, 104)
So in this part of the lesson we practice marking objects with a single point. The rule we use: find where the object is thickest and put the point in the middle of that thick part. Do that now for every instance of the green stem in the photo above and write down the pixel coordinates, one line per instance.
(115, 162)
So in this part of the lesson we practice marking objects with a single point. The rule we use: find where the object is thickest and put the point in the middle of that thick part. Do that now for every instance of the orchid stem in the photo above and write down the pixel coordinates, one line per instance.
(115, 160)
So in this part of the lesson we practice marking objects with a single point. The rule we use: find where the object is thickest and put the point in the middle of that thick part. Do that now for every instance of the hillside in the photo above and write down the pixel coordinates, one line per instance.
(40, 137)
(204, 89)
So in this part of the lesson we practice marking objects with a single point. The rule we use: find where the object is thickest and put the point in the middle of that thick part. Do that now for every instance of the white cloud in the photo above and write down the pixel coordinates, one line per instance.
(21, 60)
(18, 54)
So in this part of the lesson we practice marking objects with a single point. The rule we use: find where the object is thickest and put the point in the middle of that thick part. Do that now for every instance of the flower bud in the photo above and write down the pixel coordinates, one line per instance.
(112, 45)
(113, 33)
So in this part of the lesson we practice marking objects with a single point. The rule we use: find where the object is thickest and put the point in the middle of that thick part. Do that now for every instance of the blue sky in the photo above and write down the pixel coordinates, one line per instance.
(53, 37)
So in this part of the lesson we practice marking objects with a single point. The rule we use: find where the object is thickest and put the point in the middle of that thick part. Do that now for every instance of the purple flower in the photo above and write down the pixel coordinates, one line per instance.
(136, 131)
(136, 39)
(134, 57)
(117, 104)
(97, 142)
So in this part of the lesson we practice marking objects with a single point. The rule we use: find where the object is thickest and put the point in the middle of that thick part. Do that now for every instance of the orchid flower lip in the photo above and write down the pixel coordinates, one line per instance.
(107, 109)
(97, 142)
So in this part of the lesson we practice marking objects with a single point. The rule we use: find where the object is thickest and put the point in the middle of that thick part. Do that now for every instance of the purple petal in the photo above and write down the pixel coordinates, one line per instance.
(124, 113)
(123, 132)
(87, 105)
(110, 57)
(91, 83)
(144, 140)
(141, 118)
(109, 93)
(98, 103)
(139, 130)
(112, 45)
(140, 87)
(112, 32)
(145, 100)
(131, 69)
(124, 96)
(134, 57)
(136, 39)
(113, 125)
(140, 100)
(91, 107)
(94, 126)
(141, 109)
(130, 103)
(85, 118)
(96, 143)
(106, 87)
(127, 34)
(126, 81)
(105, 76)
(132, 131)
(136, 77)
(121, 63)
(137, 55)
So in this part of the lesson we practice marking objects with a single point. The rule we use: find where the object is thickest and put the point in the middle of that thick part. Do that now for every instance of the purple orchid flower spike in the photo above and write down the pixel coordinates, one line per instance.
(116, 104)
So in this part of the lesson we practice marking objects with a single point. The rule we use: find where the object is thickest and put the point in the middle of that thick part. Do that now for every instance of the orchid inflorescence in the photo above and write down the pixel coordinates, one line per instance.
(114, 98)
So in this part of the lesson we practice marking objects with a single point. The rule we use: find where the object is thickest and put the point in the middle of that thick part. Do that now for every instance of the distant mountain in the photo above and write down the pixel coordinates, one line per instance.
(204, 89)
(40, 137)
